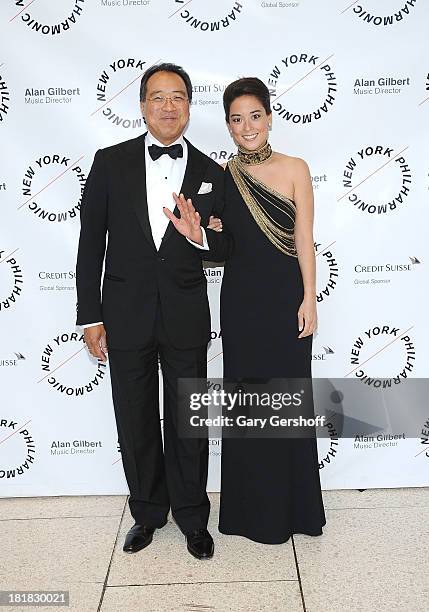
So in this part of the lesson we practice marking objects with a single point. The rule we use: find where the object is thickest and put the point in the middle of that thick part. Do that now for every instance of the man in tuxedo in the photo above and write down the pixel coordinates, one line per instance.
(154, 300)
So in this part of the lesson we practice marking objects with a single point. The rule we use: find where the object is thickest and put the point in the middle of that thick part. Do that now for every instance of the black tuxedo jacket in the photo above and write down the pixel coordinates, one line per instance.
(138, 277)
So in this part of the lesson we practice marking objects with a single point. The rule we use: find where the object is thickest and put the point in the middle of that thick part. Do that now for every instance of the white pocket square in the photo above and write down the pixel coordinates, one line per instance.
(205, 188)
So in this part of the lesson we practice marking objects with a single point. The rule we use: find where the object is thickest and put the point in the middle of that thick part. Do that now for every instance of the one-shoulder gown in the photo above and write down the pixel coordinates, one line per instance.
(270, 488)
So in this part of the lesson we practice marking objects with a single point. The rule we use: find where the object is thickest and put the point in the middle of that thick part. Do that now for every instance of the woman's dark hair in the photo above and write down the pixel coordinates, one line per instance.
(165, 67)
(248, 86)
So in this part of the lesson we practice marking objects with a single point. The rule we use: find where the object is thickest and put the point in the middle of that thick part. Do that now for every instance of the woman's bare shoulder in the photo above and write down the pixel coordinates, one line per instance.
(297, 165)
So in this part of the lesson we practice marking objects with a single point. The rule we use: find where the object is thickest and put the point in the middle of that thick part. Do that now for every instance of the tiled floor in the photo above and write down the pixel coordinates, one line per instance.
(373, 556)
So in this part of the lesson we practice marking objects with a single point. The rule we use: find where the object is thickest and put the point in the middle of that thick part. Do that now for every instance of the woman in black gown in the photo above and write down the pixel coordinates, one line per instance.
(270, 487)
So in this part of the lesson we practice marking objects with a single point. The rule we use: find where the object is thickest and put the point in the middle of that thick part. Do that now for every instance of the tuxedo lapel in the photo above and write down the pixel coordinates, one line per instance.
(194, 173)
(136, 173)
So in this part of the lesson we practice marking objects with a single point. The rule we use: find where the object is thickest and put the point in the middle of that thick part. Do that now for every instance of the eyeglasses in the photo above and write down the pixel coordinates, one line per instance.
(160, 100)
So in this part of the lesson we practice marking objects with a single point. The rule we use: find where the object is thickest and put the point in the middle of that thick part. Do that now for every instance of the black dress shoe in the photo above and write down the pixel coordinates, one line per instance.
(200, 544)
(138, 537)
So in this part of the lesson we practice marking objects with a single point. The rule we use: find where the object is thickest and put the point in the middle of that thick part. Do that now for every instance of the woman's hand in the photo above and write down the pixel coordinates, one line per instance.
(307, 316)
(215, 224)
(189, 223)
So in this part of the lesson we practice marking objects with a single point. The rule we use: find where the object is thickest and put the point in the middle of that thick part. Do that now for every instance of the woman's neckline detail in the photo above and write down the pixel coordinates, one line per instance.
(267, 187)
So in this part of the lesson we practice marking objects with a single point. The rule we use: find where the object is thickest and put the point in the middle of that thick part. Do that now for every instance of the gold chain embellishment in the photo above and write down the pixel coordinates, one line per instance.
(255, 157)
(282, 238)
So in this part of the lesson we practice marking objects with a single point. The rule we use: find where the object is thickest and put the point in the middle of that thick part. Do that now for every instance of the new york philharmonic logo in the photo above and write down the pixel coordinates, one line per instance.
(214, 351)
(119, 452)
(327, 270)
(426, 99)
(328, 401)
(424, 441)
(4, 98)
(310, 84)
(11, 279)
(65, 366)
(207, 16)
(383, 356)
(116, 78)
(215, 334)
(49, 182)
(361, 11)
(17, 448)
(368, 174)
(221, 156)
(327, 450)
(37, 20)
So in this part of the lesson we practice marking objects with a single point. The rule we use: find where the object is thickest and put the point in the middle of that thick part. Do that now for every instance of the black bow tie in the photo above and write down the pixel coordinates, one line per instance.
(174, 151)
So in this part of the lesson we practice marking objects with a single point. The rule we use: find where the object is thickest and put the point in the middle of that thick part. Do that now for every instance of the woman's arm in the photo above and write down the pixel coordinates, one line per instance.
(304, 242)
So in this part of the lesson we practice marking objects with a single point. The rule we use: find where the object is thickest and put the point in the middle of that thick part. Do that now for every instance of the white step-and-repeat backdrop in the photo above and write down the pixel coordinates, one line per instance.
(350, 89)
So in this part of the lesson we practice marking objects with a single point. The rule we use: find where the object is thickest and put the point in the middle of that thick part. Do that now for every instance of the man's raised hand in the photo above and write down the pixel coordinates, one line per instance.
(189, 223)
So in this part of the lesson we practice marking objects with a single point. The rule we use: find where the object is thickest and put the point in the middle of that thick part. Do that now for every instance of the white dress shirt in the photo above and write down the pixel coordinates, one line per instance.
(163, 177)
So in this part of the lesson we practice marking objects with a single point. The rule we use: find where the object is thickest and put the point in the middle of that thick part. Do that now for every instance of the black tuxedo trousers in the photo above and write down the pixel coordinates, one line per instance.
(159, 478)
(153, 304)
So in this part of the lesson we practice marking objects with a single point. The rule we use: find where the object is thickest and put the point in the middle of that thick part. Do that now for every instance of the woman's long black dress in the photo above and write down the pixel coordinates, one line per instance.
(270, 487)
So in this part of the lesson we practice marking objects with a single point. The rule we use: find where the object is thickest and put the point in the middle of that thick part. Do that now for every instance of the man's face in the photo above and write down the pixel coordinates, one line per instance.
(166, 108)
